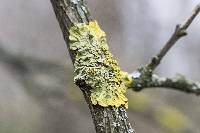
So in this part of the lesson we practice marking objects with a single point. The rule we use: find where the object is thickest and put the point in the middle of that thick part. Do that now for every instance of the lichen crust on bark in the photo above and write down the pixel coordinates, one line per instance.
(96, 67)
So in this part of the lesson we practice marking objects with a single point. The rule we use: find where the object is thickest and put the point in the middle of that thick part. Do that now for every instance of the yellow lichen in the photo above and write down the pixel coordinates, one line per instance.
(95, 66)
(171, 119)
(139, 101)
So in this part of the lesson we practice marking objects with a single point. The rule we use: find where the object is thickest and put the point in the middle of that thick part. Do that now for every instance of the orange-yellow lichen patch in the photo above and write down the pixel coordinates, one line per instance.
(94, 65)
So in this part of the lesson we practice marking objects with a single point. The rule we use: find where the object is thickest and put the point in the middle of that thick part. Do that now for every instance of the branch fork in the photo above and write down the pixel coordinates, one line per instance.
(147, 79)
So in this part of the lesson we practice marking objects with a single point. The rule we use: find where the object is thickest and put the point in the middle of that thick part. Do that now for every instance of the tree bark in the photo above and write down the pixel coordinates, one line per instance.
(106, 119)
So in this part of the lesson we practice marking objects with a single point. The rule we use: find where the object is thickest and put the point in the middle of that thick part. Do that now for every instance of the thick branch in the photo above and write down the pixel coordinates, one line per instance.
(106, 119)
(143, 78)
(179, 32)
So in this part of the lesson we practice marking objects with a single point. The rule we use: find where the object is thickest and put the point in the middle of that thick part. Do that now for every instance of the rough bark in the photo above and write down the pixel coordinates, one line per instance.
(106, 119)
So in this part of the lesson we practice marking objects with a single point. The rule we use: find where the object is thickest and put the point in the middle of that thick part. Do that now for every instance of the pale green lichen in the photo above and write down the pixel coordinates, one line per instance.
(94, 65)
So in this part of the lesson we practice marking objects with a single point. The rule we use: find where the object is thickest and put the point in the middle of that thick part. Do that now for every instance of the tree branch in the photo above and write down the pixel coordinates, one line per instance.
(112, 119)
(179, 32)
(178, 83)
(143, 78)
(106, 119)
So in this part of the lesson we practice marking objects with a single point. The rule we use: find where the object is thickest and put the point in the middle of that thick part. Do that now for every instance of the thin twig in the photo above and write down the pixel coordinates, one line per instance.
(179, 32)
(177, 83)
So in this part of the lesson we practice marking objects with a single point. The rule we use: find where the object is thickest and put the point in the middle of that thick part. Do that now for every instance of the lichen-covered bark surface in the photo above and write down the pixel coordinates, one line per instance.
(106, 119)
(95, 66)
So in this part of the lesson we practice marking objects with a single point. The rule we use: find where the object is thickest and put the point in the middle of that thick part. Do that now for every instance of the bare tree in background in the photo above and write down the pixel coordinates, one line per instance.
(113, 119)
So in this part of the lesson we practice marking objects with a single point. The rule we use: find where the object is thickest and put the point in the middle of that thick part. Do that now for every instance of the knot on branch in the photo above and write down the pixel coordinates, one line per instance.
(142, 77)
